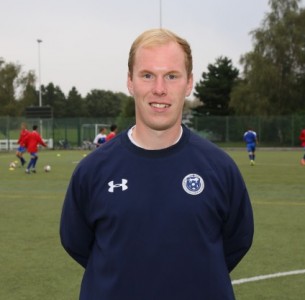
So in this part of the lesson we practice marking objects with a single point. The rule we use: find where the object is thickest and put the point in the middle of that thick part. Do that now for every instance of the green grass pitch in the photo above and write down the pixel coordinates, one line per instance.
(34, 265)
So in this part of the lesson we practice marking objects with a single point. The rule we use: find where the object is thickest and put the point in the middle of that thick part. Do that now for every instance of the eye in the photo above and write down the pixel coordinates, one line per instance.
(171, 76)
(147, 76)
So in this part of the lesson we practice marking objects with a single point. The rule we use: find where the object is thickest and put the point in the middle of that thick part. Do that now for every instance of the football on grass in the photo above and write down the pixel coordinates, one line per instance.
(47, 168)
(12, 165)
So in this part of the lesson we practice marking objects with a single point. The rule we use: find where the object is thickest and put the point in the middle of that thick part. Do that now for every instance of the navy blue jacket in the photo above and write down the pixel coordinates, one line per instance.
(164, 224)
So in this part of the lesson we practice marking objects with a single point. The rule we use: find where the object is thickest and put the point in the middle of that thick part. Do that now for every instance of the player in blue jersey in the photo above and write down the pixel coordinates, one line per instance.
(100, 137)
(170, 216)
(250, 138)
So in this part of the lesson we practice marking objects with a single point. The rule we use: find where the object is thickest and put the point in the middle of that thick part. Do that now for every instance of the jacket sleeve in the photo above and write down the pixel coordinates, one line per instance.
(76, 234)
(239, 227)
(41, 142)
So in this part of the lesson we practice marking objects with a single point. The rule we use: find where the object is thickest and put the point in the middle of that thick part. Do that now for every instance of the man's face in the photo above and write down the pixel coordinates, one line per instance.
(159, 85)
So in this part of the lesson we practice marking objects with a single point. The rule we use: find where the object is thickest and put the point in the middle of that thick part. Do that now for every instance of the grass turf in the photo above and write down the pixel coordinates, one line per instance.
(34, 265)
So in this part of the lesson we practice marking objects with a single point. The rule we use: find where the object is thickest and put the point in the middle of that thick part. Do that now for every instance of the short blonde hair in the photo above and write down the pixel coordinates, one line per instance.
(160, 36)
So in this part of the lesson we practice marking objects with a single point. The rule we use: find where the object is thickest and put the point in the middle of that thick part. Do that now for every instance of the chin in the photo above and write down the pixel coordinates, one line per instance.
(160, 126)
(159, 123)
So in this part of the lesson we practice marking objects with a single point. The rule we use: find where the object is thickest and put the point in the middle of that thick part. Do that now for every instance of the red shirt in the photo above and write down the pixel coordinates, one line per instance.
(110, 136)
(32, 140)
(302, 138)
(22, 136)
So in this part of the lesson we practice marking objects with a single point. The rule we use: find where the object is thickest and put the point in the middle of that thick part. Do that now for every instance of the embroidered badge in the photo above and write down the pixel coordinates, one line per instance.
(193, 184)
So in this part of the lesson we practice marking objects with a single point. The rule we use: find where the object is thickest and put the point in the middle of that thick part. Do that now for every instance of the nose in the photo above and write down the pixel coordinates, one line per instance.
(159, 87)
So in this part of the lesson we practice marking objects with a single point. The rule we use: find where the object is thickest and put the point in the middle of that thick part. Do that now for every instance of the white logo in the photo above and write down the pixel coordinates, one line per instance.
(193, 184)
(123, 185)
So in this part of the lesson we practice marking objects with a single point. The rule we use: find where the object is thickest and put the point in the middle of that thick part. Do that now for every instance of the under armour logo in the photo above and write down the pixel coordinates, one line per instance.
(123, 185)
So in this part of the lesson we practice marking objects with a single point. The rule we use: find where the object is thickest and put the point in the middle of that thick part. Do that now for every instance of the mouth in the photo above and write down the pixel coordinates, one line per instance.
(159, 105)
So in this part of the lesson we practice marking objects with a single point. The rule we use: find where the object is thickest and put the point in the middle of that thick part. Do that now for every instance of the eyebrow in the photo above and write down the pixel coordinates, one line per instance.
(144, 71)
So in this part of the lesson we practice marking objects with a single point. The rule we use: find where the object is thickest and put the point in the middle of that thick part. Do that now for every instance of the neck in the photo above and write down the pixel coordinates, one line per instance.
(155, 139)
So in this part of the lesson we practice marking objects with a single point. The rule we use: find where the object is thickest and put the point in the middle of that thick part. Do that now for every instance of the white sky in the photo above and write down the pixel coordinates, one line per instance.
(86, 42)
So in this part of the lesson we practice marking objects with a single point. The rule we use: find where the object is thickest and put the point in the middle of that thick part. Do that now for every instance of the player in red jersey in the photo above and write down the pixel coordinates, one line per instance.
(32, 140)
(302, 139)
(21, 149)
(112, 133)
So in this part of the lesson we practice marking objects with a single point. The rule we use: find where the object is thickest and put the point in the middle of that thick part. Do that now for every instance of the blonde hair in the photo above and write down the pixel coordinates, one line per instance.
(156, 37)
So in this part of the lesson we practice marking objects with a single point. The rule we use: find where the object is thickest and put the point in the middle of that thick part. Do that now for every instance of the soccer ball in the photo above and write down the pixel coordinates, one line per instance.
(12, 165)
(47, 168)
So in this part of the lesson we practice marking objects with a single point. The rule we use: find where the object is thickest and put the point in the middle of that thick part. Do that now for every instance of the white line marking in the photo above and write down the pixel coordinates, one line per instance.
(269, 276)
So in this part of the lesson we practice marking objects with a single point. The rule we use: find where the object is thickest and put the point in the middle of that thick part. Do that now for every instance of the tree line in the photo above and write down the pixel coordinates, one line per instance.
(272, 81)
(17, 92)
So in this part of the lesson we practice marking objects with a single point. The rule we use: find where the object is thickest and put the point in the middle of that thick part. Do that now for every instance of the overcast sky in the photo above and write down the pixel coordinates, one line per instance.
(85, 43)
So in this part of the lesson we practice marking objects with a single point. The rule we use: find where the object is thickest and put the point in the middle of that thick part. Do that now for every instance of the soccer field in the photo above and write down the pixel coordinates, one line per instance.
(34, 266)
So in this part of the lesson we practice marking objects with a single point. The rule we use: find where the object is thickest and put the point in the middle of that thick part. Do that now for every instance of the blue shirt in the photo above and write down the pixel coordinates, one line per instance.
(157, 224)
(250, 137)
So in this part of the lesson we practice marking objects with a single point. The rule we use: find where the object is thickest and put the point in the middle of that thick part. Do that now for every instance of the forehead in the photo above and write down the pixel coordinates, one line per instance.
(164, 55)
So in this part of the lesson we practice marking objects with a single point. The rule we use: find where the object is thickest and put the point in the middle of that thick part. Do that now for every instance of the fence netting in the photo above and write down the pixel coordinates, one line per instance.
(275, 131)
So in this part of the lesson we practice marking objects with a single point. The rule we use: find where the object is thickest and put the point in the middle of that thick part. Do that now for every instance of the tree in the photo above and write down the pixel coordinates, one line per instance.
(17, 89)
(100, 103)
(74, 104)
(53, 96)
(274, 72)
(215, 87)
(29, 95)
(127, 115)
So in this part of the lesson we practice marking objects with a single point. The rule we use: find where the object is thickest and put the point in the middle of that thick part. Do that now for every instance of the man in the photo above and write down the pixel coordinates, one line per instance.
(21, 149)
(100, 137)
(302, 139)
(170, 216)
(112, 133)
(32, 140)
(250, 138)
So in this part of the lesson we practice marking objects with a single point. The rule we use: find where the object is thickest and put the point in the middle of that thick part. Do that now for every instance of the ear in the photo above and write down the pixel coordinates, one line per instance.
(189, 87)
(130, 84)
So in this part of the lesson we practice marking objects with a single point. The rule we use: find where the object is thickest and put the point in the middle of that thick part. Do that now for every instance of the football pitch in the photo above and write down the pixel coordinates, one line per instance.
(34, 265)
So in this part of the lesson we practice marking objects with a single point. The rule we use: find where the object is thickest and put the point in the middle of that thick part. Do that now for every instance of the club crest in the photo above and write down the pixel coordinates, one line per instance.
(193, 184)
